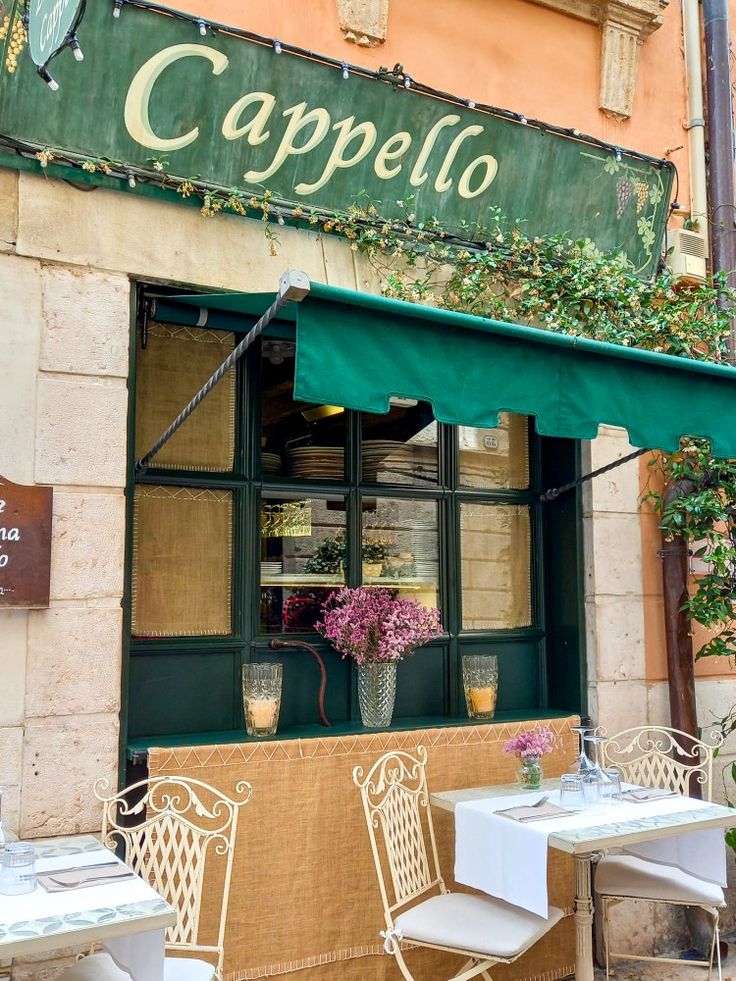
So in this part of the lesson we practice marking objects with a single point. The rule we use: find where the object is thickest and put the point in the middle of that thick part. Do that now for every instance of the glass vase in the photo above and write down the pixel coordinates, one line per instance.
(530, 773)
(377, 693)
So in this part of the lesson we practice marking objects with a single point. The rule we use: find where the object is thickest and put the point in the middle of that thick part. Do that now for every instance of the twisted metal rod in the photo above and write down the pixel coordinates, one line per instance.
(294, 285)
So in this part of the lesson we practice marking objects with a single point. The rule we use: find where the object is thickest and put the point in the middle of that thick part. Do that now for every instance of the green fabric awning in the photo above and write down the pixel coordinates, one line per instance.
(358, 350)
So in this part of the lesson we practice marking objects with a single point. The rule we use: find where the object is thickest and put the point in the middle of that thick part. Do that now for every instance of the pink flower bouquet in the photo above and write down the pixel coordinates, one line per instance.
(375, 626)
(531, 744)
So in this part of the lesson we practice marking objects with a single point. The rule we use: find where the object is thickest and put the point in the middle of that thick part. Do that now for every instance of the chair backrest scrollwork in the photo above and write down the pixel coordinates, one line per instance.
(659, 756)
(174, 831)
(397, 813)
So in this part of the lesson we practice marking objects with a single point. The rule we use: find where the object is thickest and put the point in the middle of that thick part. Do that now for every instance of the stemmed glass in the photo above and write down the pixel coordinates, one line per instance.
(582, 764)
(596, 774)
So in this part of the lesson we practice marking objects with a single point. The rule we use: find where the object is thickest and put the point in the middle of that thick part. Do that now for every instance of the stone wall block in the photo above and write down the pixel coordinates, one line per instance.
(616, 546)
(20, 339)
(619, 636)
(621, 704)
(60, 224)
(74, 658)
(86, 322)
(48, 970)
(88, 546)
(81, 432)
(363, 22)
(11, 756)
(617, 491)
(81, 751)
(8, 210)
(13, 628)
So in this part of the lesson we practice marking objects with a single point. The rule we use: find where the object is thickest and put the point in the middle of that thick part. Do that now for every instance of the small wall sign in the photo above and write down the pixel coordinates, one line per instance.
(25, 544)
(50, 24)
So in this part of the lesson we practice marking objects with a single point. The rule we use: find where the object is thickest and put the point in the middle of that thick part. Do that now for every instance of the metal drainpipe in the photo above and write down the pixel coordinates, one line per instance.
(720, 143)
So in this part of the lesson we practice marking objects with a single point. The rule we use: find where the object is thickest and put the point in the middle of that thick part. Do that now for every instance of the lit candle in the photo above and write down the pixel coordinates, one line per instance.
(263, 712)
(483, 700)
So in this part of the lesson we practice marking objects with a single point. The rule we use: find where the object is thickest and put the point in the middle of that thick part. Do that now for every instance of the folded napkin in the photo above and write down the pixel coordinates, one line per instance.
(64, 880)
(647, 793)
(527, 812)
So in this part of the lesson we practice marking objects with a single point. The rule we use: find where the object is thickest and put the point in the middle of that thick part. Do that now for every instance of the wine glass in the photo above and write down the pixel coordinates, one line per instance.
(582, 764)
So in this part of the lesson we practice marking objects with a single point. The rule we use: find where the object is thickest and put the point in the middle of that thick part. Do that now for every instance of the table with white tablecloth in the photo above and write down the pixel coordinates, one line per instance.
(508, 859)
(126, 915)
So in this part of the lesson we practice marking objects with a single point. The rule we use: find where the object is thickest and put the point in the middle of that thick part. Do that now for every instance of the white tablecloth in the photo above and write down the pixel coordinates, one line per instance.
(139, 954)
(508, 859)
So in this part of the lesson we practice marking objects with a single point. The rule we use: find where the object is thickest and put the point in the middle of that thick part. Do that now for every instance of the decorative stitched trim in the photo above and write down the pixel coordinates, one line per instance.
(202, 335)
(237, 754)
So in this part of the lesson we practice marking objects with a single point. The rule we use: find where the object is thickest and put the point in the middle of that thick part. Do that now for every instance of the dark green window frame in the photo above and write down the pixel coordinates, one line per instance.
(183, 690)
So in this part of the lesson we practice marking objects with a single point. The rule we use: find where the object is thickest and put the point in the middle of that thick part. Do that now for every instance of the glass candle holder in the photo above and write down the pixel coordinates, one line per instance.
(17, 869)
(480, 683)
(261, 698)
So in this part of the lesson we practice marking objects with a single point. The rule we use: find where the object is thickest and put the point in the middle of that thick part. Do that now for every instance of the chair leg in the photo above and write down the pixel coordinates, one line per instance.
(606, 945)
(717, 943)
(402, 964)
(471, 969)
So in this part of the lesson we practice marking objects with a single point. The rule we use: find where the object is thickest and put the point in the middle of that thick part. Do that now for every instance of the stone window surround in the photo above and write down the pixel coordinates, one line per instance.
(624, 26)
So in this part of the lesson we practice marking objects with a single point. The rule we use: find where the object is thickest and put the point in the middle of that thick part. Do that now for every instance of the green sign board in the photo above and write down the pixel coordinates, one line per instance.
(50, 23)
(236, 113)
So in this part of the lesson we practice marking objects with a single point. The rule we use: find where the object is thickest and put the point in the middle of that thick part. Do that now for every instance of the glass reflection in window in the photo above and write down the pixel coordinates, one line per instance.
(400, 447)
(302, 560)
(298, 439)
(399, 547)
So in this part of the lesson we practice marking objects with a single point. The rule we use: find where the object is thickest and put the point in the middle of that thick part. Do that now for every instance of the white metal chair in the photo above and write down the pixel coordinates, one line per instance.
(172, 830)
(658, 756)
(485, 931)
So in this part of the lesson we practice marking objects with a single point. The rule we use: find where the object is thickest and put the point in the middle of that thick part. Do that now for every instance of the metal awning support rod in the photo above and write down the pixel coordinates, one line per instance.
(294, 285)
(554, 492)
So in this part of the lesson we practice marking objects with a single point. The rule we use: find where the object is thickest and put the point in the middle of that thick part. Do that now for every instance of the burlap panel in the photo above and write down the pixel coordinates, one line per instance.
(174, 365)
(182, 562)
(495, 552)
(304, 898)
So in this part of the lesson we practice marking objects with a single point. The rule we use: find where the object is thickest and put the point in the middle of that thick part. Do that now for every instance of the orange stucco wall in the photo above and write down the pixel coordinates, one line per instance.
(510, 53)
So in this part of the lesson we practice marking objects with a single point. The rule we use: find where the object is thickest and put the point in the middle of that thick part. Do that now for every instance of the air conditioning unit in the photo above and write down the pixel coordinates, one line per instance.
(686, 255)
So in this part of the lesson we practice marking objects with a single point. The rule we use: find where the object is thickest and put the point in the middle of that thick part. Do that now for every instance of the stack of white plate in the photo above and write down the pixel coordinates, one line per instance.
(316, 461)
(397, 460)
(270, 568)
(271, 463)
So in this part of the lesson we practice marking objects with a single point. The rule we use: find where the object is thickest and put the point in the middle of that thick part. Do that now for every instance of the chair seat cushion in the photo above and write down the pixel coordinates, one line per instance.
(636, 878)
(477, 924)
(101, 967)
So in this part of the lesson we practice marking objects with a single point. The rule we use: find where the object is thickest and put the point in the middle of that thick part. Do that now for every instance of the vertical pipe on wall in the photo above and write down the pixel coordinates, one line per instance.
(695, 124)
(720, 143)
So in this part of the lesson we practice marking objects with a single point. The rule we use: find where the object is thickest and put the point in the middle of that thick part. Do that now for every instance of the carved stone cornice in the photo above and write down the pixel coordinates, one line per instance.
(363, 22)
(624, 25)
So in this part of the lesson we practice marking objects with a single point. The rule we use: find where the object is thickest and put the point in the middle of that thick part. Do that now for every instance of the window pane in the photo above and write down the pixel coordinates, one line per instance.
(172, 367)
(400, 547)
(496, 458)
(298, 439)
(495, 552)
(302, 560)
(401, 446)
(182, 561)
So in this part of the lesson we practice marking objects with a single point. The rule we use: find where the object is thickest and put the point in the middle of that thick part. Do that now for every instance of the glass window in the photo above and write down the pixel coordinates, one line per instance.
(495, 553)
(496, 458)
(172, 367)
(303, 559)
(401, 446)
(399, 547)
(298, 439)
(182, 562)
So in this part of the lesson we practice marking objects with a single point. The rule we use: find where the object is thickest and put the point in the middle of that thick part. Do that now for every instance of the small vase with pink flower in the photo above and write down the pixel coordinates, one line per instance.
(530, 747)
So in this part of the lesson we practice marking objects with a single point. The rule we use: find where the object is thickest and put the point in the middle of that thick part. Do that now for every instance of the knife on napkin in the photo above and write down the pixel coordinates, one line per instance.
(63, 880)
(534, 812)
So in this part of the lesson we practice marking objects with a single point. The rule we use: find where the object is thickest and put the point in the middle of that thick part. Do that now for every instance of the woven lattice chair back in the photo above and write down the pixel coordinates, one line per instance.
(658, 756)
(397, 812)
(174, 831)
